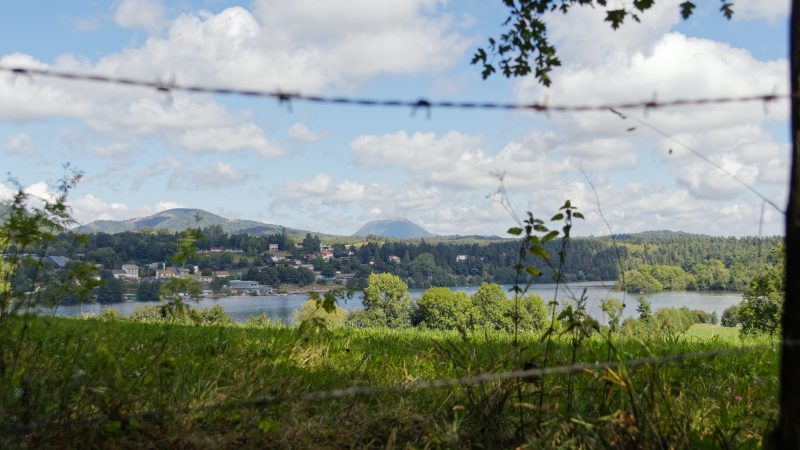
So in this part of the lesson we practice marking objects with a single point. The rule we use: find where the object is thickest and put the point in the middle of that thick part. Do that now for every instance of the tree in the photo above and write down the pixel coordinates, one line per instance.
(760, 310)
(442, 309)
(644, 309)
(613, 309)
(388, 294)
(495, 308)
(730, 317)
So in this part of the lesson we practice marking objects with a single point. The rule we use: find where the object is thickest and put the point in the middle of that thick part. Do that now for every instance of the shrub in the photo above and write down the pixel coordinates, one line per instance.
(730, 317)
(311, 311)
(257, 321)
(110, 313)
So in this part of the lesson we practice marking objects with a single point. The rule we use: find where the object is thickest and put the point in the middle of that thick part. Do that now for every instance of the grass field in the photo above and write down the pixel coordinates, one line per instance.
(72, 383)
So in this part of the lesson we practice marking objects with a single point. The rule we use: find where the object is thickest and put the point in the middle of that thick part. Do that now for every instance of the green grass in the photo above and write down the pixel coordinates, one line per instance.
(70, 383)
(707, 331)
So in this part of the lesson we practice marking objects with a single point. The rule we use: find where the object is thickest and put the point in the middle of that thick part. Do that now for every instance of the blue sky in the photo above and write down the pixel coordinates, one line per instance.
(331, 168)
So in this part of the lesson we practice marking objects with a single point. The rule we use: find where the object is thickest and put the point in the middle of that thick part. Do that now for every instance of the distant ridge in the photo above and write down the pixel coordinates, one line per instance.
(396, 228)
(179, 219)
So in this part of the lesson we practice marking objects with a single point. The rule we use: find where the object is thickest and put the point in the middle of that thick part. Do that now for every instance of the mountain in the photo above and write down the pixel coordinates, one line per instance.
(179, 219)
(396, 228)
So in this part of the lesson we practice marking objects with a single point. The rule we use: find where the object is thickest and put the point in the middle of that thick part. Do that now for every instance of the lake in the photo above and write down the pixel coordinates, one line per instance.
(281, 307)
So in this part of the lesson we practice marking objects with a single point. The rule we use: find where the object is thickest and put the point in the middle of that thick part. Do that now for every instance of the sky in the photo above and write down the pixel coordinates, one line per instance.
(330, 168)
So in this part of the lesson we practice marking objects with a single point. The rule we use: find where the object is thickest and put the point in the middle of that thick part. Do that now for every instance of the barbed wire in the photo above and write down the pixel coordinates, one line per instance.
(476, 379)
(700, 155)
(421, 103)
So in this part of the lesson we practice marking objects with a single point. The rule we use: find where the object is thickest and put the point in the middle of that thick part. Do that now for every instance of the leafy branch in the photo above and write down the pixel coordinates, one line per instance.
(524, 46)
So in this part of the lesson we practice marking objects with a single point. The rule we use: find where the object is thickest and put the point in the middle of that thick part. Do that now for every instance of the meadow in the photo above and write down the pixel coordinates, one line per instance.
(94, 383)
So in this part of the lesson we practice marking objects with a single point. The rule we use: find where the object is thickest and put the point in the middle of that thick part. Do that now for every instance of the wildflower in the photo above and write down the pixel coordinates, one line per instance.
(738, 398)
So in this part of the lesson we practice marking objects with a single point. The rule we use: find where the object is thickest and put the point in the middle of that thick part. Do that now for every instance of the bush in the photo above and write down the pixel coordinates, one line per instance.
(310, 311)
(257, 321)
(110, 313)
(674, 320)
(730, 317)
(147, 314)
(366, 318)
(211, 316)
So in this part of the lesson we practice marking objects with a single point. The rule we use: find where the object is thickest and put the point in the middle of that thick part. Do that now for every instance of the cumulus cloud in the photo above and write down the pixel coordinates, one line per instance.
(20, 144)
(184, 175)
(676, 66)
(228, 139)
(145, 14)
(321, 192)
(460, 160)
(282, 45)
(300, 132)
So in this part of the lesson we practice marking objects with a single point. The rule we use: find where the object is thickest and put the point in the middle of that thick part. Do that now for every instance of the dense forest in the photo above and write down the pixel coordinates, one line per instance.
(694, 261)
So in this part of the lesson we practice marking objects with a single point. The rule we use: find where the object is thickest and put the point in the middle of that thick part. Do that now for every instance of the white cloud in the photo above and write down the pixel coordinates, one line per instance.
(282, 46)
(771, 10)
(145, 14)
(214, 175)
(299, 132)
(228, 139)
(322, 193)
(20, 144)
(459, 160)
(89, 207)
(167, 204)
(183, 175)
(676, 66)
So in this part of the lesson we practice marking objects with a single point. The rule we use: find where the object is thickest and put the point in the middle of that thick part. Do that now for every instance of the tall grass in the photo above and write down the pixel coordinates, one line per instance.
(112, 383)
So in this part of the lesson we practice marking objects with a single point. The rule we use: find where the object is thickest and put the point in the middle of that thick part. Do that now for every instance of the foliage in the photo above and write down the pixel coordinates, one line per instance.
(761, 308)
(644, 309)
(524, 45)
(589, 258)
(496, 310)
(730, 317)
(388, 294)
(613, 310)
(311, 311)
(442, 309)
(148, 291)
(257, 321)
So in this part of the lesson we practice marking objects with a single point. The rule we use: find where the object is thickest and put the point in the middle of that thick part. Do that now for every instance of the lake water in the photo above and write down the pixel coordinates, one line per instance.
(281, 307)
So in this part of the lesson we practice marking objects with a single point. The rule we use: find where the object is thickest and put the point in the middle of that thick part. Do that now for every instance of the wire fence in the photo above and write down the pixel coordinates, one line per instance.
(421, 103)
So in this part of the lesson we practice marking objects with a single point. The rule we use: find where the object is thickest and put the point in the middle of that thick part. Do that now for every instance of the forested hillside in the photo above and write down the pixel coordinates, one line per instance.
(423, 264)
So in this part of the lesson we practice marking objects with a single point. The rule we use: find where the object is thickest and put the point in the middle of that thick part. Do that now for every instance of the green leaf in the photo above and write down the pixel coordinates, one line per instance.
(533, 271)
(558, 216)
(550, 236)
(727, 9)
(577, 215)
(687, 8)
(616, 17)
(516, 231)
(539, 252)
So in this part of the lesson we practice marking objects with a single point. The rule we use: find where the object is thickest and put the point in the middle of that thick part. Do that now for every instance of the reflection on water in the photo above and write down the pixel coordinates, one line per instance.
(281, 307)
